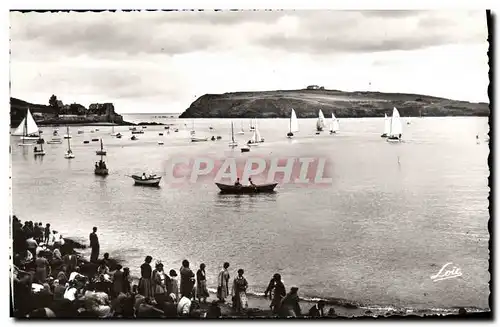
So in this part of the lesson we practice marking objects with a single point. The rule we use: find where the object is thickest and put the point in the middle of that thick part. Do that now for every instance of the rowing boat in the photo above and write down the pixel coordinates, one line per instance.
(243, 189)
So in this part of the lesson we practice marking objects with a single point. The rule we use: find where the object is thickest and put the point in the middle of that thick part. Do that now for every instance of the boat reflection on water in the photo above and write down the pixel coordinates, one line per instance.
(243, 200)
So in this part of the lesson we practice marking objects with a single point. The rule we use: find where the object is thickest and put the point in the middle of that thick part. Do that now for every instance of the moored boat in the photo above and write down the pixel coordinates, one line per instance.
(69, 154)
(151, 180)
(101, 152)
(246, 189)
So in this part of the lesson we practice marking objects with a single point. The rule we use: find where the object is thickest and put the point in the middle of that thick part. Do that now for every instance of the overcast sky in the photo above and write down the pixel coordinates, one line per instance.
(162, 61)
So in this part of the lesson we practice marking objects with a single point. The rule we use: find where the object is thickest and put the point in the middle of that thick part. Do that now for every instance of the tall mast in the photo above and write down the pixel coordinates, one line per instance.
(232, 132)
(67, 132)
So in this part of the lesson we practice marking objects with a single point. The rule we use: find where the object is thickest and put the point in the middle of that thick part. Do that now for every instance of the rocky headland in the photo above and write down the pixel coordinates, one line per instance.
(307, 102)
(57, 113)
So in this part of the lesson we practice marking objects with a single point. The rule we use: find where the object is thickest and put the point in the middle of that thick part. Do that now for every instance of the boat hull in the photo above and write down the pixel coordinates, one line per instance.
(232, 189)
(69, 156)
(101, 171)
(383, 135)
(245, 149)
(33, 138)
(199, 140)
(146, 182)
(100, 153)
(393, 139)
(39, 153)
(54, 142)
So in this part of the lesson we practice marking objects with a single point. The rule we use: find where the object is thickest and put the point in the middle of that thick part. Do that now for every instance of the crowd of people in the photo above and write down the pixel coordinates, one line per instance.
(51, 280)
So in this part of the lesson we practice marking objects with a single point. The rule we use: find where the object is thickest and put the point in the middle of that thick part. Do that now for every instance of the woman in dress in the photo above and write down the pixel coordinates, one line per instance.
(223, 283)
(145, 284)
(240, 285)
(201, 284)
(160, 283)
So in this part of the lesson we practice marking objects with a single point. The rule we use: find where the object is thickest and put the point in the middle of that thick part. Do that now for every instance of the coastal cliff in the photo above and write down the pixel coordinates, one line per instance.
(56, 113)
(307, 102)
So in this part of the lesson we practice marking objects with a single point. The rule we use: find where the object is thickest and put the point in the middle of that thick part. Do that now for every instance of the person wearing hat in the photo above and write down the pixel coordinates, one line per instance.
(276, 290)
(290, 306)
(173, 287)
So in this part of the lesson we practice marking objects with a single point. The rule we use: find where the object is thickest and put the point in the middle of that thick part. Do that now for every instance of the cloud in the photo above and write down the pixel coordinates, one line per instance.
(170, 56)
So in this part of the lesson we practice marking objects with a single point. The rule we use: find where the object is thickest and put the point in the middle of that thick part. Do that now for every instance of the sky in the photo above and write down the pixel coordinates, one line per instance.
(154, 61)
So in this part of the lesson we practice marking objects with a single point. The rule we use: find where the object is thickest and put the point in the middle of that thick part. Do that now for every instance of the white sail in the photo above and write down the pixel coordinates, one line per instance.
(294, 122)
(321, 120)
(334, 124)
(396, 126)
(27, 127)
(387, 125)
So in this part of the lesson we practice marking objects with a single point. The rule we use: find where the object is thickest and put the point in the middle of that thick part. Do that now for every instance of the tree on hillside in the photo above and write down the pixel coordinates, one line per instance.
(53, 104)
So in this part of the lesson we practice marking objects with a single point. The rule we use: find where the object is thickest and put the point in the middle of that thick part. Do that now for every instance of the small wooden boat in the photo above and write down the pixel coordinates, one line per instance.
(176, 130)
(97, 129)
(95, 140)
(219, 137)
(132, 128)
(55, 141)
(101, 152)
(39, 152)
(86, 142)
(161, 134)
(67, 136)
(245, 149)
(80, 131)
(101, 169)
(199, 139)
(40, 141)
(137, 132)
(144, 127)
(160, 143)
(118, 136)
(167, 127)
(133, 138)
(246, 189)
(151, 180)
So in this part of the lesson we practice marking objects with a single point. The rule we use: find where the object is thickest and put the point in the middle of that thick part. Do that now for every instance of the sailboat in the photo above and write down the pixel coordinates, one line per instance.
(396, 128)
(101, 152)
(241, 132)
(256, 138)
(387, 126)
(39, 152)
(69, 154)
(233, 143)
(320, 124)
(27, 129)
(334, 125)
(113, 130)
(294, 124)
(197, 139)
(253, 122)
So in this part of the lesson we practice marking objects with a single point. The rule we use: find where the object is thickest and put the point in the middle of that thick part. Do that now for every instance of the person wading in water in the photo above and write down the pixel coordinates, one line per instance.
(94, 244)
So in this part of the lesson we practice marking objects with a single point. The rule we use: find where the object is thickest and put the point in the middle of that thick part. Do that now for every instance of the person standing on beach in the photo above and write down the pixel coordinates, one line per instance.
(187, 280)
(201, 284)
(240, 286)
(173, 286)
(160, 283)
(46, 234)
(94, 244)
(223, 283)
(279, 293)
(145, 284)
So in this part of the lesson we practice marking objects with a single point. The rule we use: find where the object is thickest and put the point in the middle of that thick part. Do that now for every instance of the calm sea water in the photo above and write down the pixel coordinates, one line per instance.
(375, 236)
